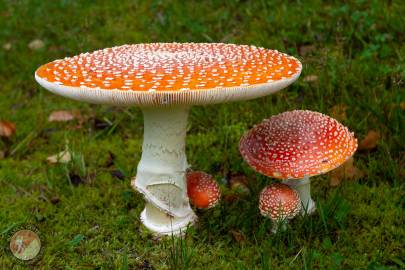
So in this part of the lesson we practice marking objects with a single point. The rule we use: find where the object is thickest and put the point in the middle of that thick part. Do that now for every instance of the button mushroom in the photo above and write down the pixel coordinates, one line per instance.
(296, 145)
(165, 80)
(280, 203)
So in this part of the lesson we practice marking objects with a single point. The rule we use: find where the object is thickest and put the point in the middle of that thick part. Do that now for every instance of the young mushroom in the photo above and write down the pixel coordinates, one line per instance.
(202, 189)
(296, 145)
(165, 80)
(280, 203)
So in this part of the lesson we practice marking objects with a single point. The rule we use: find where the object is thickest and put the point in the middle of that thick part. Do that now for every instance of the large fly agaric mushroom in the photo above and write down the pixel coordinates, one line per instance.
(296, 145)
(280, 203)
(165, 80)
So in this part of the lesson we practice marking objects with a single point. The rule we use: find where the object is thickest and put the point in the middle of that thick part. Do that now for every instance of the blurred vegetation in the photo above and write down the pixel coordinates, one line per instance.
(353, 57)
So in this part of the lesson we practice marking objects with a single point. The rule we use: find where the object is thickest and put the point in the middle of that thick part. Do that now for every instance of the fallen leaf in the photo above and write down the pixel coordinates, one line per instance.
(7, 128)
(62, 157)
(36, 44)
(63, 116)
(55, 48)
(339, 112)
(7, 46)
(346, 171)
(306, 49)
(55, 200)
(370, 141)
(238, 236)
(310, 78)
(2, 154)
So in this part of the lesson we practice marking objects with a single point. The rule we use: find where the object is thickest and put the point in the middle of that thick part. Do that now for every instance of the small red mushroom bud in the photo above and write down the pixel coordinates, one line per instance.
(202, 189)
(279, 202)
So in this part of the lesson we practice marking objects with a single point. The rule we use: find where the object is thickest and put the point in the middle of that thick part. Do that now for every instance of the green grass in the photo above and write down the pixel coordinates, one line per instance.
(356, 50)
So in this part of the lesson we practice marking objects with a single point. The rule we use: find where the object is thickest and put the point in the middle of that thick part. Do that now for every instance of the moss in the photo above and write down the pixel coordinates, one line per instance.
(355, 49)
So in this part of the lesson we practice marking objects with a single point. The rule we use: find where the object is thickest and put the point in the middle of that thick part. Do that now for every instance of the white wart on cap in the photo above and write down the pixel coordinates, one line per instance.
(279, 202)
(297, 143)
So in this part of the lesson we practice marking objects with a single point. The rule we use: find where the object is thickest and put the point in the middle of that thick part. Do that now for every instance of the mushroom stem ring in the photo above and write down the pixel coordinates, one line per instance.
(303, 187)
(161, 171)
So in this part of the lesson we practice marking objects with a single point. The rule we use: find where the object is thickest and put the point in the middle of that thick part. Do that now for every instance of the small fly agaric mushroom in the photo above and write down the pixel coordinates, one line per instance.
(279, 202)
(202, 189)
(165, 80)
(296, 145)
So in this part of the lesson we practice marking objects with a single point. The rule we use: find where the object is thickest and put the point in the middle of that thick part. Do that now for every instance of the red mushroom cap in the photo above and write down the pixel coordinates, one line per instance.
(202, 189)
(171, 67)
(279, 202)
(297, 143)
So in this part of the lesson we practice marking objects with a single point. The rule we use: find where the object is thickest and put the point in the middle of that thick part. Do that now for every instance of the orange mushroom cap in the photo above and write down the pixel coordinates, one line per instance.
(297, 143)
(169, 68)
(279, 201)
(202, 189)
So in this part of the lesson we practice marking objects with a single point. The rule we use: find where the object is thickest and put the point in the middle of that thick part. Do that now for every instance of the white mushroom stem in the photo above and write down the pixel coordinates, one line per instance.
(303, 187)
(279, 226)
(161, 171)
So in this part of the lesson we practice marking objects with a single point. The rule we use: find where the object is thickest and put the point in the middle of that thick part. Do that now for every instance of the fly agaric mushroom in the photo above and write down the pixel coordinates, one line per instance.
(165, 80)
(202, 189)
(296, 145)
(279, 202)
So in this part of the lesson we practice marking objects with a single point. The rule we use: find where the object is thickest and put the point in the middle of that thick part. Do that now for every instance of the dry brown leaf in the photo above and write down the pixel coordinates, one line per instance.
(346, 171)
(2, 154)
(238, 236)
(370, 141)
(63, 116)
(36, 44)
(55, 200)
(306, 49)
(55, 48)
(310, 78)
(7, 128)
(62, 157)
(339, 112)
